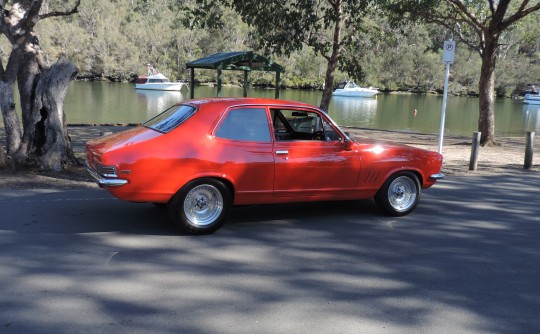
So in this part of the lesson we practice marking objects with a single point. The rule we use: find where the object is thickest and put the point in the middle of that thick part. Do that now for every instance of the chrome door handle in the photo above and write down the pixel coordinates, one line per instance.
(282, 152)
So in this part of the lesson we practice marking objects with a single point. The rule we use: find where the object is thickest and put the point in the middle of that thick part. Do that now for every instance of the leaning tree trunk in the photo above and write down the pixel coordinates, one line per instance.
(7, 102)
(328, 85)
(46, 139)
(486, 117)
(332, 62)
(11, 120)
(3, 158)
(11, 124)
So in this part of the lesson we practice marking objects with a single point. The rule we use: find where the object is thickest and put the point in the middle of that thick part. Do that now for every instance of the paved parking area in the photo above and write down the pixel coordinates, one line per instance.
(466, 261)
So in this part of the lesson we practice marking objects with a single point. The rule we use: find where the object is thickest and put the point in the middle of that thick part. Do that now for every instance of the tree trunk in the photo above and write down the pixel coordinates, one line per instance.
(49, 145)
(11, 120)
(55, 146)
(332, 60)
(11, 123)
(3, 158)
(45, 141)
(486, 117)
(328, 84)
(27, 78)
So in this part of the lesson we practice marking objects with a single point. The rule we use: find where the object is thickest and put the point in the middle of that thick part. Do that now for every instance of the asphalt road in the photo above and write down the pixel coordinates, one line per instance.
(466, 261)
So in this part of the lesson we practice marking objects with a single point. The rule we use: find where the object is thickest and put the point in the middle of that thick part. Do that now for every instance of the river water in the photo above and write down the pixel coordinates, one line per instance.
(104, 102)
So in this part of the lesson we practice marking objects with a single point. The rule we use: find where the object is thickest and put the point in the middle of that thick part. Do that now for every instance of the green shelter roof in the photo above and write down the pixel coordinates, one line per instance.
(241, 60)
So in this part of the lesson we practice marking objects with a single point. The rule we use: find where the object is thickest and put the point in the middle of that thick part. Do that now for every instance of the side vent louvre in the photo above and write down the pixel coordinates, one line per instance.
(372, 177)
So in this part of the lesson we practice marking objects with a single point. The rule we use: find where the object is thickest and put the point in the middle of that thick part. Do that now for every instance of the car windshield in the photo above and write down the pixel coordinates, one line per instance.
(170, 118)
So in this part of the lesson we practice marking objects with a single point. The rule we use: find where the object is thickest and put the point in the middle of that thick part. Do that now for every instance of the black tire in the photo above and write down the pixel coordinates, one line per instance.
(201, 206)
(399, 194)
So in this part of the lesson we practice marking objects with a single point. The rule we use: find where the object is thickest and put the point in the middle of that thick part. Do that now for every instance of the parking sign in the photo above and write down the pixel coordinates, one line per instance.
(449, 52)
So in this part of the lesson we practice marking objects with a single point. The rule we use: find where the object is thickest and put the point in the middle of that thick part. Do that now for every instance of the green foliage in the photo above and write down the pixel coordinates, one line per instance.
(116, 39)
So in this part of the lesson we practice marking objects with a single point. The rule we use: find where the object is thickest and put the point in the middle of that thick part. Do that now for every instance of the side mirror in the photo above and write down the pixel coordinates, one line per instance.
(347, 145)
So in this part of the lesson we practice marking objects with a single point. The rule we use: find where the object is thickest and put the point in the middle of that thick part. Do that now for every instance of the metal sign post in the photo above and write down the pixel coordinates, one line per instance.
(449, 51)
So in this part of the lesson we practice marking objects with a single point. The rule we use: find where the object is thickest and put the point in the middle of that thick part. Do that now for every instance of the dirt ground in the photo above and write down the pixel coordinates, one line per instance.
(508, 157)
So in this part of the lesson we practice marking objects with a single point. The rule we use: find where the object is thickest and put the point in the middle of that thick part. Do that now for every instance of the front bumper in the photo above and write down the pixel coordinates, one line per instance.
(437, 176)
(102, 181)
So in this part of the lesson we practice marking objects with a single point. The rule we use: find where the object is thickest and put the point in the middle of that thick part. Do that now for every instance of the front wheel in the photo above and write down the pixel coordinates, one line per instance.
(399, 195)
(201, 206)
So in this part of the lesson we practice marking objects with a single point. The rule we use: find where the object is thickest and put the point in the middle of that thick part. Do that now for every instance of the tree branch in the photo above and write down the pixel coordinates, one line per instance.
(498, 15)
(450, 26)
(523, 5)
(463, 9)
(492, 7)
(522, 12)
(74, 10)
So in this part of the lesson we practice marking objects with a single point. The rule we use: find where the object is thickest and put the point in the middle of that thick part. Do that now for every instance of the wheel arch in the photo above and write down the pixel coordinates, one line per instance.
(415, 171)
(228, 183)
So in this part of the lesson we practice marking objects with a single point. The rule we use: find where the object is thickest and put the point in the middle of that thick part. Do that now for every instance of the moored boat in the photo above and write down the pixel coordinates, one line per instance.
(532, 98)
(349, 88)
(157, 81)
(532, 95)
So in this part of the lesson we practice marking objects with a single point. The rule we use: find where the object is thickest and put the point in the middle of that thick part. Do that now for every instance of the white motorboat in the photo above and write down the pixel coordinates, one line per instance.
(157, 81)
(349, 88)
(532, 98)
(532, 95)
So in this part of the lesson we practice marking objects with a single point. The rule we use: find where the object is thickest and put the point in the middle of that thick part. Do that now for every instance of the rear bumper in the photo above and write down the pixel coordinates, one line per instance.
(102, 181)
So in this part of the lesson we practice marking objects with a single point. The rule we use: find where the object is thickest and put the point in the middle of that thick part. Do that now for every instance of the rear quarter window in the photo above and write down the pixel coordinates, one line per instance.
(170, 118)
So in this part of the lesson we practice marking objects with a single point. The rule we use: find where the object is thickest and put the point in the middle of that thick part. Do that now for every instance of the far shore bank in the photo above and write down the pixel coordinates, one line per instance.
(319, 87)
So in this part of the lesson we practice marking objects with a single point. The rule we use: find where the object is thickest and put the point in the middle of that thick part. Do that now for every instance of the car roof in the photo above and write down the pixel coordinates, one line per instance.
(227, 102)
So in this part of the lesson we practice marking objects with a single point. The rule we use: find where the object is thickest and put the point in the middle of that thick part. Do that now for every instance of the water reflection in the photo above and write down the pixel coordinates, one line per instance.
(103, 102)
(156, 101)
(531, 117)
(359, 112)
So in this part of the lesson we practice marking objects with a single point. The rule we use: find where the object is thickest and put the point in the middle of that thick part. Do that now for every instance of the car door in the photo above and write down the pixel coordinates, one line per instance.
(310, 156)
(246, 153)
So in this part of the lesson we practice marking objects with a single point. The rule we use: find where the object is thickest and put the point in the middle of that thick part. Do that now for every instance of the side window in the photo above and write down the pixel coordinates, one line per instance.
(302, 125)
(246, 124)
(330, 133)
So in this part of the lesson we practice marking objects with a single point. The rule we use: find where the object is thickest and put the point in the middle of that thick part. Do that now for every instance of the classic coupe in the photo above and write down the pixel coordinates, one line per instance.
(200, 158)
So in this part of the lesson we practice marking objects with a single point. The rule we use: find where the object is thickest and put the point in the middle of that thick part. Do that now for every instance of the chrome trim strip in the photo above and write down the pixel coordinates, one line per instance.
(282, 152)
(103, 182)
(437, 176)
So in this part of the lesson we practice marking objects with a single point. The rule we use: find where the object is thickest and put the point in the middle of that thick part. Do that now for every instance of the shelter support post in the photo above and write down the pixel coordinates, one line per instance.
(192, 83)
(246, 83)
(278, 83)
(219, 81)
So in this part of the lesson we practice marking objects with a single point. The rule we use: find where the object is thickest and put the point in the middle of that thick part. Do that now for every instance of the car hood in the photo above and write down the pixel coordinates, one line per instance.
(379, 146)
(367, 143)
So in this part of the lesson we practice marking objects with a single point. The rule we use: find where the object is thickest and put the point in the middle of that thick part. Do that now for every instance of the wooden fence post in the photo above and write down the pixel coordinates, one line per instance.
(473, 163)
(529, 150)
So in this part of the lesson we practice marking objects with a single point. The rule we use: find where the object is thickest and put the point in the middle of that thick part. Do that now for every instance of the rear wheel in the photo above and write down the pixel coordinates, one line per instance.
(399, 195)
(201, 206)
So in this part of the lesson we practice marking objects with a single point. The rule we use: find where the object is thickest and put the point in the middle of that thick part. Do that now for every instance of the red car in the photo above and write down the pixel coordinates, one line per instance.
(201, 157)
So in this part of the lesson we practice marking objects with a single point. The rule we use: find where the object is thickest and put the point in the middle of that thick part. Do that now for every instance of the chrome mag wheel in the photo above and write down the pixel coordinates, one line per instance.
(399, 194)
(402, 193)
(203, 205)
